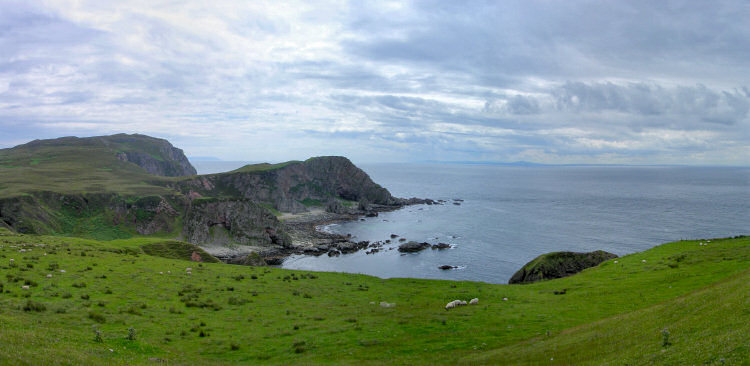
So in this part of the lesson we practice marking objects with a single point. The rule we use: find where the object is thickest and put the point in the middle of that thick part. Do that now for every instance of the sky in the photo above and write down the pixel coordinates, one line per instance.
(556, 82)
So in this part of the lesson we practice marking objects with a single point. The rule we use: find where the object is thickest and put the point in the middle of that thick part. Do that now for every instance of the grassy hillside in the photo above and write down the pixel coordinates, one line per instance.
(219, 314)
(71, 165)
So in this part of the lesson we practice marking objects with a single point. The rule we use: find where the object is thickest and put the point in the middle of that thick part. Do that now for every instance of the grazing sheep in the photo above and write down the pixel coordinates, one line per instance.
(62, 271)
(453, 304)
(49, 275)
(505, 299)
(25, 287)
(462, 302)
(474, 301)
(616, 262)
(189, 269)
(643, 261)
(12, 260)
(387, 304)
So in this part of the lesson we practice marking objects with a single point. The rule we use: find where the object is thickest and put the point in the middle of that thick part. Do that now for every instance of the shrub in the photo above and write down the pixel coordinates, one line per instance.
(79, 285)
(234, 346)
(66, 295)
(665, 338)
(99, 318)
(34, 306)
(85, 296)
(98, 336)
(131, 334)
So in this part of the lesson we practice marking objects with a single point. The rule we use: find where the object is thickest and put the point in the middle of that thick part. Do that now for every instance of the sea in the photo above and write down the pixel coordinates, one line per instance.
(497, 218)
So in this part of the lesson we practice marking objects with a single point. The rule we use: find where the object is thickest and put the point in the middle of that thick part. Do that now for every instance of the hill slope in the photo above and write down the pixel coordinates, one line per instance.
(222, 314)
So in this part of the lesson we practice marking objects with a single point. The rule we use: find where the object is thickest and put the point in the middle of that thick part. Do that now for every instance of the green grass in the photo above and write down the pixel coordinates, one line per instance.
(262, 167)
(177, 250)
(222, 314)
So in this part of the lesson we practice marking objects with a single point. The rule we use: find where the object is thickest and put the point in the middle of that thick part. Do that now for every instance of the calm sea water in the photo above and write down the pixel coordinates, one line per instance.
(512, 214)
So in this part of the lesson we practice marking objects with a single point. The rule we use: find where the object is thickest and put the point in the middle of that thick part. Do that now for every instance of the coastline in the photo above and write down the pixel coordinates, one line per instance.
(307, 238)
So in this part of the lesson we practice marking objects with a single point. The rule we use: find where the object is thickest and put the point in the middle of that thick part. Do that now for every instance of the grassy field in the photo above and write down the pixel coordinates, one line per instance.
(114, 304)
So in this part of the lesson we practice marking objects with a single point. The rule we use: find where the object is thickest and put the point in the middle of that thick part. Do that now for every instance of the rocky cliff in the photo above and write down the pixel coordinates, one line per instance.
(559, 264)
(289, 186)
(231, 222)
(155, 156)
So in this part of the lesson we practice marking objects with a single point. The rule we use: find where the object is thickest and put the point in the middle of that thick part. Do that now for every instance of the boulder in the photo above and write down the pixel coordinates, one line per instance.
(447, 267)
(559, 264)
(441, 246)
(412, 246)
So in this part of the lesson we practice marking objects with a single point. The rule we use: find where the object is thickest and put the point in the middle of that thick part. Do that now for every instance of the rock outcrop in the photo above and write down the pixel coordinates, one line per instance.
(156, 156)
(559, 264)
(288, 185)
(413, 246)
(232, 221)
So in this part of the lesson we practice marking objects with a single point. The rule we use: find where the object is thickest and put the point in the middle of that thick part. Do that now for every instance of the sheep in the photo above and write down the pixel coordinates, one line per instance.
(643, 261)
(616, 262)
(462, 302)
(25, 287)
(189, 269)
(12, 260)
(62, 271)
(452, 304)
(505, 299)
(49, 275)
(474, 301)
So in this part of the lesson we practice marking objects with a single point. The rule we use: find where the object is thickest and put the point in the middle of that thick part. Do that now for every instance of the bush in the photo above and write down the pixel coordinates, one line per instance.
(34, 306)
(131, 334)
(99, 318)
(85, 296)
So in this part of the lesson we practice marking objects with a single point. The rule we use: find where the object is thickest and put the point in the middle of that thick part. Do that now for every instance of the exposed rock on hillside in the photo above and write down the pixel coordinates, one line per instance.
(559, 264)
(230, 221)
(286, 186)
(160, 158)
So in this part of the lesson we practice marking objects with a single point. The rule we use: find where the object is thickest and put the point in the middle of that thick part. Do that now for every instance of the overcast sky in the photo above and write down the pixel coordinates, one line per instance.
(637, 82)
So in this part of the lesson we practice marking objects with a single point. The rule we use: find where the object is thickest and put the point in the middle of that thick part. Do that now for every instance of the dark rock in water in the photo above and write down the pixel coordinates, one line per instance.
(559, 264)
(361, 219)
(334, 253)
(458, 200)
(412, 247)
(372, 214)
(394, 236)
(441, 246)
(388, 241)
(457, 203)
(447, 267)
(402, 239)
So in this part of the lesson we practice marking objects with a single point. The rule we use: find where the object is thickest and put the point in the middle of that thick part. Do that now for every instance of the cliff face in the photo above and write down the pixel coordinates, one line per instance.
(286, 187)
(232, 221)
(156, 156)
(558, 264)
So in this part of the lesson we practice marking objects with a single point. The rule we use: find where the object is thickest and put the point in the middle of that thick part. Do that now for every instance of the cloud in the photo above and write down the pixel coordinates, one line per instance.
(636, 81)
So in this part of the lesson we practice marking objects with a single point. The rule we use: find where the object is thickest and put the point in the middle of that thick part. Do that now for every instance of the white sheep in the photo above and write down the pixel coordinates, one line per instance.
(450, 305)
(12, 260)
(474, 301)
(25, 287)
(62, 271)
(643, 261)
(462, 302)
(505, 299)
(189, 269)
(49, 275)
(616, 262)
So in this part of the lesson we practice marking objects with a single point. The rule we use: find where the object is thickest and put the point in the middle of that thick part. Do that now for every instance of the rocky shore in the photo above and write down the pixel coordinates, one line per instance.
(307, 237)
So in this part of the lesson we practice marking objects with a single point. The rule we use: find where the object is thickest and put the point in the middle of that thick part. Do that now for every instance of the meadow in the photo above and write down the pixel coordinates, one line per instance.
(78, 301)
